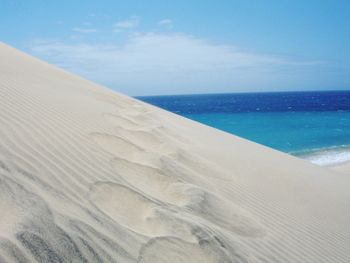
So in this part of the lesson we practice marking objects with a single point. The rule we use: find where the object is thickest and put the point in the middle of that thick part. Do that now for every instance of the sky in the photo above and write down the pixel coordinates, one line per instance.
(160, 47)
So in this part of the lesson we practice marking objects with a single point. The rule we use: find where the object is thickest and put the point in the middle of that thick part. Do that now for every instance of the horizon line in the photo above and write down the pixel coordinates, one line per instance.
(239, 92)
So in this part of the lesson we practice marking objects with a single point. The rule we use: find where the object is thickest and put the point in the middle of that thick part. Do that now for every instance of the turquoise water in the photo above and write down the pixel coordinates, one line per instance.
(321, 137)
(312, 125)
(292, 132)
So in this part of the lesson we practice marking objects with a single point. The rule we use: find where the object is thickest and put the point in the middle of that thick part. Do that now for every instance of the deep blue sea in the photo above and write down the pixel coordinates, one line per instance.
(312, 125)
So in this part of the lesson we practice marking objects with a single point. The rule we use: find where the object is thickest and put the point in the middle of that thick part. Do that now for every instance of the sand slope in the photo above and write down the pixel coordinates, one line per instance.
(89, 175)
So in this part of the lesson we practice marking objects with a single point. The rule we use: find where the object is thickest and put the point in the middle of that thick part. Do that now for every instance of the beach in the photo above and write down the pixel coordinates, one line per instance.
(91, 175)
(342, 168)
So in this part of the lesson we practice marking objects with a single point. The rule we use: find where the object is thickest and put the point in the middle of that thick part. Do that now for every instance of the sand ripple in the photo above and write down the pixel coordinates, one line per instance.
(89, 175)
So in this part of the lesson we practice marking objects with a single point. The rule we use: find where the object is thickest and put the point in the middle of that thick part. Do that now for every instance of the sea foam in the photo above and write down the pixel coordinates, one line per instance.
(328, 157)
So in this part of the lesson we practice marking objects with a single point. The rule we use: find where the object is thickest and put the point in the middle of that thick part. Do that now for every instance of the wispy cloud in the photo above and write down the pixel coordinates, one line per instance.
(86, 23)
(130, 23)
(84, 30)
(174, 61)
(168, 23)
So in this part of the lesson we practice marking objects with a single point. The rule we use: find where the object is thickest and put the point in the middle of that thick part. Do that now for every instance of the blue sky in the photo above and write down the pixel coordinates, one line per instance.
(176, 47)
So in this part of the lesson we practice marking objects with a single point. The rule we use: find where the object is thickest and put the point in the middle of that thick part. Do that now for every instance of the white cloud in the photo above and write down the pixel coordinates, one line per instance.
(170, 63)
(119, 26)
(84, 30)
(166, 23)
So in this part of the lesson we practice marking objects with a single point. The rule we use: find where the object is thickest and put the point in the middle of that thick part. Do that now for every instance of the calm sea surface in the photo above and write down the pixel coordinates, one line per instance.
(313, 125)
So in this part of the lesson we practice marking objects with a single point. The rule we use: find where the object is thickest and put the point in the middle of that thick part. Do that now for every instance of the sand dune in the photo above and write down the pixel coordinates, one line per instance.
(90, 175)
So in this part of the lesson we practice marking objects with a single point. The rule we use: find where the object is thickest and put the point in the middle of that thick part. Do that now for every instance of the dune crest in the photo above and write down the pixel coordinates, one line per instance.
(90, 175)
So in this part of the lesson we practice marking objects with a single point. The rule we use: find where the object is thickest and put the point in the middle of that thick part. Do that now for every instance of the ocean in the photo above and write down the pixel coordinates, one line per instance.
(311, 125)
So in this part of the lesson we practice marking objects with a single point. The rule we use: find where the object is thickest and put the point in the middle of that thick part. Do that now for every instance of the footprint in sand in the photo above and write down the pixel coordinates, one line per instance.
(123, 148)
(137, 212)
(173, 236)
(151, 181)
(149, 139)
(192, 199)
(151, 133)
(121, 121)
(222, 213)
(130, 109)
(154, 183)
(156, 191)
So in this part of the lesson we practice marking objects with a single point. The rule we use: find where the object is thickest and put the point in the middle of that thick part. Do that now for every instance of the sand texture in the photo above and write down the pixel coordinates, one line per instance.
(342, 168)
(90, 175)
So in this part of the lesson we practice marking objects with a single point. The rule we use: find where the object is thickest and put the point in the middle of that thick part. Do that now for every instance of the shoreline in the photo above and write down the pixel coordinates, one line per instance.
(327, 157)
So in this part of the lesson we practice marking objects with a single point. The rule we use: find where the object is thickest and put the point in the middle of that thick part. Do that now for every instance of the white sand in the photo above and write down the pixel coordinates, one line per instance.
(342, 168)
(89, 175)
